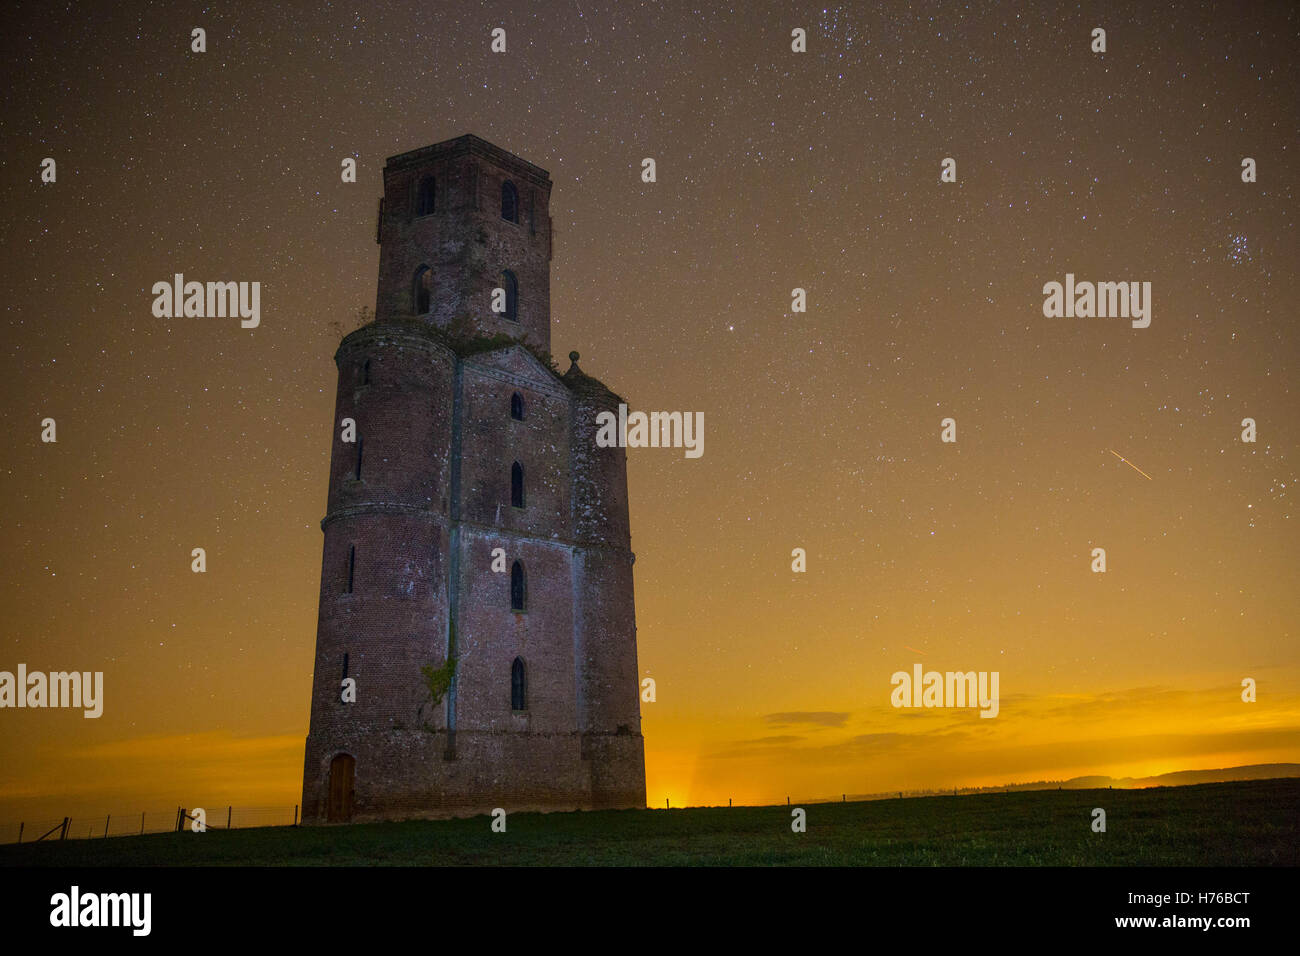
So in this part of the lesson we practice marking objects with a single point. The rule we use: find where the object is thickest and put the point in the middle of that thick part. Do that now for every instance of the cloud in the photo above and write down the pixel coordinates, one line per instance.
(758, 745)
(820, 718)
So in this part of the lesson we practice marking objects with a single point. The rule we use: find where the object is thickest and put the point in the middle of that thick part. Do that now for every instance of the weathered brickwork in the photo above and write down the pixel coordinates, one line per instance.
(418, 504)
(464, 241)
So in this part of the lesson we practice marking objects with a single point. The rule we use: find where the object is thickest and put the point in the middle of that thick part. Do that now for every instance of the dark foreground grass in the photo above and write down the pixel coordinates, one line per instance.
(1248, 823)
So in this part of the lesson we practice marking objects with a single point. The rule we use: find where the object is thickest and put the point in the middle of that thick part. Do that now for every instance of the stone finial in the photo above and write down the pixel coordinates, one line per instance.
(573, 358)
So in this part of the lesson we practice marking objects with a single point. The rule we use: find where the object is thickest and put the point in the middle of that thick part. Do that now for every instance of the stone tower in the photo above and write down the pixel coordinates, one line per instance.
(476, 583)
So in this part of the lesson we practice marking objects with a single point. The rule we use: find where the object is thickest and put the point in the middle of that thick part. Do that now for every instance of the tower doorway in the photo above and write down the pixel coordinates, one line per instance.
(342, 771)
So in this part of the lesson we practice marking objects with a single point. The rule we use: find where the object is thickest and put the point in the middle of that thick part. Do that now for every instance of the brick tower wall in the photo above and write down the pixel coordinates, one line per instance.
(533, 755)
(605, 636)
(395, 618)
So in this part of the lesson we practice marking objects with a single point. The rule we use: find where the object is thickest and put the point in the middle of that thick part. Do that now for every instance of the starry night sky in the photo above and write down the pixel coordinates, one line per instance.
(775, 170)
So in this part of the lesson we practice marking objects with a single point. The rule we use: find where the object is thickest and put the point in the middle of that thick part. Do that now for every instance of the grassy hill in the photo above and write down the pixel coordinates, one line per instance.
(1246, 823)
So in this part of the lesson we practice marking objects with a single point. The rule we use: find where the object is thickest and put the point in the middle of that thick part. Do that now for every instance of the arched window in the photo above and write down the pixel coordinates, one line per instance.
(423, 293)
(352, 566)
(517, 485)
(424, 197)
(511, 285)
(518, 699)
(518, 589)
(509, 202)
(517, 407)
(365, 373)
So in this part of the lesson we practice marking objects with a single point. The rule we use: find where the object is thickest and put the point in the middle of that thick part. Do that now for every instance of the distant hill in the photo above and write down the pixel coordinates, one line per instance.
(1179, 778)
(1182, 778)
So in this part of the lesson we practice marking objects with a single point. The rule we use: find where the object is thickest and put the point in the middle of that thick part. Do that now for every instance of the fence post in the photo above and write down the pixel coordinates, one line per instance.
(106, 819)
(20, 832)
(295, 814)
(63, 835)
(141, 823)
(229, 811)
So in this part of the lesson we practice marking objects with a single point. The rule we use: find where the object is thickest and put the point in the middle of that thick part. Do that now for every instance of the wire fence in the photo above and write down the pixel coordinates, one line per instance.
(87, 827)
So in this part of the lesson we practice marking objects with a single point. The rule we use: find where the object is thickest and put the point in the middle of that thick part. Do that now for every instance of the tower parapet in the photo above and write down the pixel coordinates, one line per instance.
(459, 220)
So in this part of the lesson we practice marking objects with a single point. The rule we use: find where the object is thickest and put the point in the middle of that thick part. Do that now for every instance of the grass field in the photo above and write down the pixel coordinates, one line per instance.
(1251, 823)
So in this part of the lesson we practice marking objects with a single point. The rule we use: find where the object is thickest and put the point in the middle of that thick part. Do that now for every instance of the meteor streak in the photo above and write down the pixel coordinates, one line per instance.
(1130, 464)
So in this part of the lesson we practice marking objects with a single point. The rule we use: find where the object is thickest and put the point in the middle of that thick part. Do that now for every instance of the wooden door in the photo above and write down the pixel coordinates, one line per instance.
(342, 770)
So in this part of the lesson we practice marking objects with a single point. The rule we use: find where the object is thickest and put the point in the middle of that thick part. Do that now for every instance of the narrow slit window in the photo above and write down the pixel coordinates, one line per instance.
(517, 407)
(425, 197)
(422, 294)
(511, 285)
(509, 202)
(517, 485)
(518, 697)
(518, 589)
